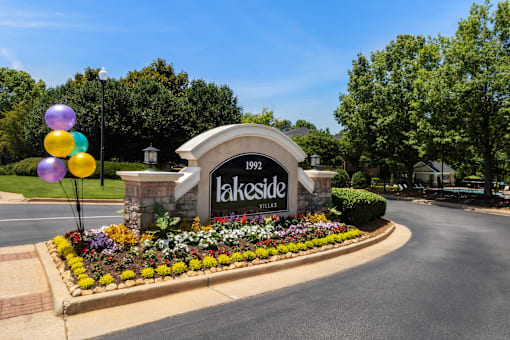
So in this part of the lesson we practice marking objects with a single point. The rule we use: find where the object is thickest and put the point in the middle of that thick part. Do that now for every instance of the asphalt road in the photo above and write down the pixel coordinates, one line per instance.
(31, 223)
(450, 281)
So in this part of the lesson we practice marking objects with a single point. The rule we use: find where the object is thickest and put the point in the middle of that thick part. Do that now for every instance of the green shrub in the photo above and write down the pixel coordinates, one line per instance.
(127, 275)
(282, 249)
(74, 260)
(261, 253)
(323, 241)
(357, 206)
(237, 257)
(7, 170)
(82, 276)
(224, 259)
(86, 283)
(195, 264)
(163, 270)
(65, 248)
(79, 271)
(249, 255)
(28, 167)
(105, 280)
(179, 267)
(301, 246)
(360, 180)
(58, 240)
(272, 251)
(330, 239)
(147, 273)
(309, 244)
(76, 266)
(292, 247)
(341, 179)
(209, 262)
(316, 242)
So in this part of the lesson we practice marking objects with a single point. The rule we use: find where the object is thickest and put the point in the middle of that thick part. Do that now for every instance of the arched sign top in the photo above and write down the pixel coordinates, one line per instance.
(201, 144)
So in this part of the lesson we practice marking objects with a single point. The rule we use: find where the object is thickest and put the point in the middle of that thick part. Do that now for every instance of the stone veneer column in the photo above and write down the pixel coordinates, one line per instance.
(143, 189)
(318, 200)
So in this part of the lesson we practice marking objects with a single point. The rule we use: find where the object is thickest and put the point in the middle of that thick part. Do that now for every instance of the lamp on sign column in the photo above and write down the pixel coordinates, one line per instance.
(103, 77)
(150, 157)
(315, 161)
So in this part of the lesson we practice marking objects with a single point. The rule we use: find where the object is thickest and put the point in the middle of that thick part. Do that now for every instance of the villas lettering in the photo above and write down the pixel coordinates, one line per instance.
(249, 191)
(248, 184)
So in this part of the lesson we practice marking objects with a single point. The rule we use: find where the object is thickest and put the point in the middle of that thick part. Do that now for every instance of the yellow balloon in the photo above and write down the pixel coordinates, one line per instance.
(59, 143)
(82, 165)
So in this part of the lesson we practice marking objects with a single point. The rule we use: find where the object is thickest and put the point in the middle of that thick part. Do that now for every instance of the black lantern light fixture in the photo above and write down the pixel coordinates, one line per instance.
(315, 161)
(150, 157)
(103, 77)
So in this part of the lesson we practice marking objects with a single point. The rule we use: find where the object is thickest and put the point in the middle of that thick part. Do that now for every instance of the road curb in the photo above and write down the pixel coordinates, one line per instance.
(65, 200)
(67, 305)
(61, 296)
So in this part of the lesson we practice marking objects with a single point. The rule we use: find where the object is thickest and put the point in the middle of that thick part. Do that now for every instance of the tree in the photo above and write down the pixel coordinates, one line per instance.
(162, 72)
(480, 58)
(380, 110)
(301, 123)
(266, 117)
(283, 124)
(322, 143)
(17, 87)
(90, 74)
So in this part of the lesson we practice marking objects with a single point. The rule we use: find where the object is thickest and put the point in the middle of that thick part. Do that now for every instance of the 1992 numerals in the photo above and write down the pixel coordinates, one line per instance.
(253, 165)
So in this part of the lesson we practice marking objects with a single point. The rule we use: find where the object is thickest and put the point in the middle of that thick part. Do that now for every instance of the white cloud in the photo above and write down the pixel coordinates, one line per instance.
(11, 58)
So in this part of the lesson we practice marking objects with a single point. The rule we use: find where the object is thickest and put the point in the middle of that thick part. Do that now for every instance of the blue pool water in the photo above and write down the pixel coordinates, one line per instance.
(470, 191)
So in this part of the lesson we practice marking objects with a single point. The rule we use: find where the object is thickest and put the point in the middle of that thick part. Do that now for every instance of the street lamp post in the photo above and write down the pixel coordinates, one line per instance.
(103, 76)
(150, 157)
(315, 161)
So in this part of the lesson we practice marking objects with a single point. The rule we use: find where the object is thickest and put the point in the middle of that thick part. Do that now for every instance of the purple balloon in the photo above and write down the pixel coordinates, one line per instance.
(60, 117)
(51, 169)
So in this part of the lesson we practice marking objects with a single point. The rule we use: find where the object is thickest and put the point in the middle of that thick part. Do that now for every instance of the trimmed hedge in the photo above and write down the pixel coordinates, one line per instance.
(360, 180)
(28, 167)
(358, 206)
(341, 179)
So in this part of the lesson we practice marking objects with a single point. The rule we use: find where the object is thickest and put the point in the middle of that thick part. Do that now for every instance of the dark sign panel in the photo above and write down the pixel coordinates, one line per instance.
(249, 183)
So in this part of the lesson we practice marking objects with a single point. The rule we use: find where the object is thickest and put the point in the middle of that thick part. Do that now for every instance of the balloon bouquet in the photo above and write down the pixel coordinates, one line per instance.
(61, 144)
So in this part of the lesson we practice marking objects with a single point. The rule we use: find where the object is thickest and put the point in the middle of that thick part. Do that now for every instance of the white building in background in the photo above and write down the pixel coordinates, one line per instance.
(430, 173)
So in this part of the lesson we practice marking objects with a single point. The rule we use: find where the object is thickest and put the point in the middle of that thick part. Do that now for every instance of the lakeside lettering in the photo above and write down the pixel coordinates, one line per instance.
(249, 191)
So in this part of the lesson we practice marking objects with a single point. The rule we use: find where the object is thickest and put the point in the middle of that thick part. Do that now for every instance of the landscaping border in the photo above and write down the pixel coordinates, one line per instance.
(65, 304)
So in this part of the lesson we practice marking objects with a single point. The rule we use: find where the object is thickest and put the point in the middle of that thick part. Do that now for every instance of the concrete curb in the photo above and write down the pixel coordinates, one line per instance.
(67, 305)
(64, 200)
(61, 296)
(467, 207)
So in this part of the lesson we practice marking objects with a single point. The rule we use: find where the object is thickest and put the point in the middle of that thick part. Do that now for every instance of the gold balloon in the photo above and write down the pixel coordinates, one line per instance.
(82, 165)
(59, 143)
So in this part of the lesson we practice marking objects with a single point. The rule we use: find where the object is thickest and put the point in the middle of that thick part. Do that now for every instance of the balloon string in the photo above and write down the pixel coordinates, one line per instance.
(78, 205)
(82, 206)
(68, 201)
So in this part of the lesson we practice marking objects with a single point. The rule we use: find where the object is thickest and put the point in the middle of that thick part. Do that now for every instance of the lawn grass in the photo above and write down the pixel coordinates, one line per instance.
(35, 187)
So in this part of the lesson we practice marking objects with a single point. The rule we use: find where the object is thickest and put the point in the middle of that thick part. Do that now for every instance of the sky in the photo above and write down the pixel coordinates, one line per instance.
(292, 57)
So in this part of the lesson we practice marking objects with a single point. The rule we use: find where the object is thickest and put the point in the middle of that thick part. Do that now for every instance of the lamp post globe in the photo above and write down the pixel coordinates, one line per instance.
(315, 160)
(150, 156)
(103, 77)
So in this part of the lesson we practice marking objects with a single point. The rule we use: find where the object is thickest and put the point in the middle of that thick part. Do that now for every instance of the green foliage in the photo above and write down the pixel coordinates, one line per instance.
(282, 249)
(105, 280)
(322, 143)
(293, 248)
(75, 265)
(341, 179)
(78, 271)
(195, 264)
(249, 255)
(163, 270)
(301, 246)
(316, 242)
(179, 267)
(147, 273)
(86, 283)
(358, 206)
(209, 262)
(224, 260)
(360, 180)
(330, 239)
(82, 276)
(17, 88)
(58, 240)
(309, 244)
(127, 275)
(164, 223)
(303, 123)
(261, 253)
(266, 117)
(65, 248)
(271, 251)
(237, 257)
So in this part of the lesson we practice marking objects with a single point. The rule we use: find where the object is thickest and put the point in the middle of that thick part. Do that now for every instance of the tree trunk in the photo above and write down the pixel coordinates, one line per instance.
(487, 190)
(410, 169)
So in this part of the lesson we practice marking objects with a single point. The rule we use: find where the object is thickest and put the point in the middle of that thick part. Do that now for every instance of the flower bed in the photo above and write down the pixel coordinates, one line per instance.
(114, 258)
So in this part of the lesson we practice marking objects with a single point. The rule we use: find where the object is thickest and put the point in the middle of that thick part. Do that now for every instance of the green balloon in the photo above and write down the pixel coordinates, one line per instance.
(81, 144)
